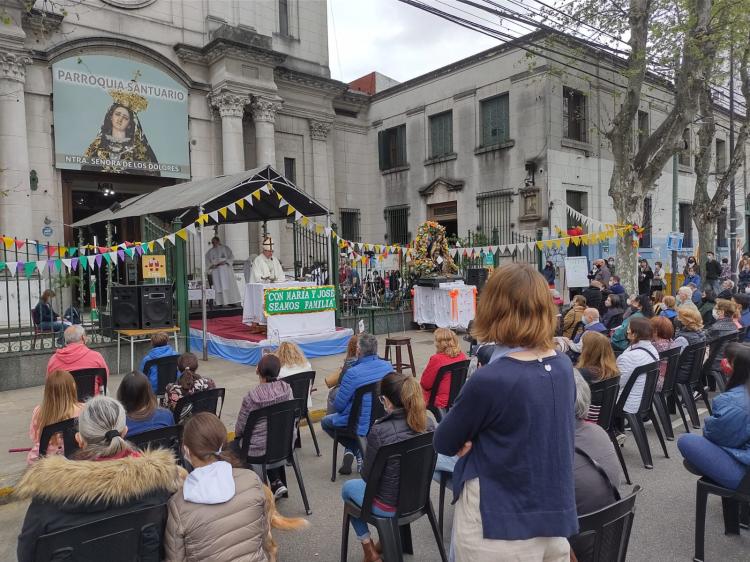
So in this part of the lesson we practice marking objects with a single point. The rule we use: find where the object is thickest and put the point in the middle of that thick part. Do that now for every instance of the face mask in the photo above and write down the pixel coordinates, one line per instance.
(715, 314)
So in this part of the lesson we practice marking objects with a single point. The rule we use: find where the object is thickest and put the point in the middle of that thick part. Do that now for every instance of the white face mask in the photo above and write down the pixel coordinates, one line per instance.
(715, 314)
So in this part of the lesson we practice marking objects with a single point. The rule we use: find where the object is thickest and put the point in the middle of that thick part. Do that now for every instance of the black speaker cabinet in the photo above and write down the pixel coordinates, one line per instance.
(126, 314)
(156, 306)
(476, 276)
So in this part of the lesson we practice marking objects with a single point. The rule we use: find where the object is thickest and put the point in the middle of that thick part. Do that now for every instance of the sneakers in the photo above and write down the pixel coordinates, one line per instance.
(346, 464)
(360, 461)
(620, 439)
(279, 490)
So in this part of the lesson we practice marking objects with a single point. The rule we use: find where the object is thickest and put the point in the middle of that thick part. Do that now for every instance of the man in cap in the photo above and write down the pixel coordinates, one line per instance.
(267, 268)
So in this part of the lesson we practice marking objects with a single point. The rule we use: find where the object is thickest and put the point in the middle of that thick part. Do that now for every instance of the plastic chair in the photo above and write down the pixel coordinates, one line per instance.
(603, 402)
(716, 349)
(302, 384)
(732, 502)
(281, 421)
(136, 535)
(645, 410)
(161, 438)
(694, 354)
(603, 535)
(667, 392)
(68, 428)
(457, 372)
(87, 380)
(350, 431)
(166, 371)
(416, 458)
(203, 401)
(445, 477)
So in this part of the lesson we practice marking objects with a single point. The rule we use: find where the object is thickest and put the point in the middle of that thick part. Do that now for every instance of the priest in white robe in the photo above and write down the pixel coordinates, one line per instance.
(219, 260)
(267, 268)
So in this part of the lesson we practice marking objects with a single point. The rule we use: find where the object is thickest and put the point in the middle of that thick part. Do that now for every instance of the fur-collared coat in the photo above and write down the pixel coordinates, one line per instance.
(66, 493)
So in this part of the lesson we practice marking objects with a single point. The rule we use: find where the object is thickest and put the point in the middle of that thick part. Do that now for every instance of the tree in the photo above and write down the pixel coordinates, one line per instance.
(656, 30)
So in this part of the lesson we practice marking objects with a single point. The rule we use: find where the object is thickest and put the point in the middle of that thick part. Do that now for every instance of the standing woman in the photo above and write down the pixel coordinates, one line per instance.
(60, 403)
(645, 276)
(549, 273)
(522, 401)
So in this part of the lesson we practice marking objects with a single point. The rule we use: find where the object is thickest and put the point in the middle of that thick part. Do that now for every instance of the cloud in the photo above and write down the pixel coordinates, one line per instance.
(395, 39)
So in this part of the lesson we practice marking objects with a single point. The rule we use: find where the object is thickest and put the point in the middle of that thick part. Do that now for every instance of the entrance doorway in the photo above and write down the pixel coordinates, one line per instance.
(446, 215)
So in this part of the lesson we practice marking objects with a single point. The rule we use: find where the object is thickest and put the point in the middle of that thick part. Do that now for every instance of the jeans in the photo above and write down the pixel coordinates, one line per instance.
(711, 460)
(351, 444)
(714, 284)
(354, 490)
(57, 327)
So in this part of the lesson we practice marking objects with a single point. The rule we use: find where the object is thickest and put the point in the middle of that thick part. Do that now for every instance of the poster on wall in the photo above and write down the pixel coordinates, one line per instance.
(119, 116)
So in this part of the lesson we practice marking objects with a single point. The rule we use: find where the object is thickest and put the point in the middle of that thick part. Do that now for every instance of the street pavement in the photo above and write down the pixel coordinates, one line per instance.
(662, 531)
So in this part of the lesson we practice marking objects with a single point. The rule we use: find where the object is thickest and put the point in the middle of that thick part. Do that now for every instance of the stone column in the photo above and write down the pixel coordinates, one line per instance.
(231, 108)
(321, 183)
(15, 194)
(264, 111)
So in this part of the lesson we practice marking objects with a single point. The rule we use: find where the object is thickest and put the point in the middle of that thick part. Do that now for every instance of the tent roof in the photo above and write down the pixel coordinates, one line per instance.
(185, 199)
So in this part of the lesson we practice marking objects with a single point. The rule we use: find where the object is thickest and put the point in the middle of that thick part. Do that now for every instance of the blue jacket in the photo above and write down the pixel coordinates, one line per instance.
(729, 426)
(155, 353)
(668, 313)
(366, 370)
(595, 327)
(520, 419)
(617, 289)
(696, 279)
(745, 321)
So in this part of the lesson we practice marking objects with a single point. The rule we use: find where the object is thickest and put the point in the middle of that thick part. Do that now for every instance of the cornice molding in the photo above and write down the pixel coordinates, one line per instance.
(226, 48)
(310, 81)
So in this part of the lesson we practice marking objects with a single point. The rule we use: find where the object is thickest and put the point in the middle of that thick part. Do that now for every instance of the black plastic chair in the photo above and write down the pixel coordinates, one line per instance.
(136, 535)
(603, 402)
(302, 384)
(733, 502)
(281, 420)
(663, 397)
(457, 372)
(86, 382)
(645, 410)
(603, 535)
(716, 349)
(211, 400)
(350, 431)
(68, 429)
(161, 438)
(166, 371)
(694, 354)
(416, 457)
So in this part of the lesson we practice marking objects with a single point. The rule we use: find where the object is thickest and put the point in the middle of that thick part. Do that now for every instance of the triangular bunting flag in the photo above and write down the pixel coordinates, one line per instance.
(223, 212)
(170, 237)
(12, 267)
(51, 250)
(68, 263)
(265, 189)
(98, 260)
(182, 233)
(240, 203)
(121, 254)
(160, 241)
(290, 210)
(108, 257)
(256, 194)
(214, 215)
(278, 196)
(151, 246)
(19, 244)
(297, 215)
(72, 251)
(232, 208)
(191, 228)
(29, 268)
(8, 242)
(540, 244)
(328, 231)
(139, 249)
(130, 251)
(40, 265)
(305, 221)
(74, 264)
(282, 202)
(318, 229)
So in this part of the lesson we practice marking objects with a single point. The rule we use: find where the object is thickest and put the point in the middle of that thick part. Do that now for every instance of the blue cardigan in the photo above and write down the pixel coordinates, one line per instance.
(366, 370)
(520, 419)
(729, 426)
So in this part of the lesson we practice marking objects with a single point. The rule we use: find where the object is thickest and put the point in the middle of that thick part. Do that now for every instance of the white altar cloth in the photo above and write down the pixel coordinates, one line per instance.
(434, 305)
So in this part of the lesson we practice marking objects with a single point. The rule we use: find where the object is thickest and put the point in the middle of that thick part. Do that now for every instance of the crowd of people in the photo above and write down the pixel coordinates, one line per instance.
(529, 383)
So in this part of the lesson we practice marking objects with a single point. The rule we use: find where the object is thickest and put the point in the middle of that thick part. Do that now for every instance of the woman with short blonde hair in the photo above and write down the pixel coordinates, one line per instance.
(447, 351)
(689, 332)
(293, 361)
(522, 400)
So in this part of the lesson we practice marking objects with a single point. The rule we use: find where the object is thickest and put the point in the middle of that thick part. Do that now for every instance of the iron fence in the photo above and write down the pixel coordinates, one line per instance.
(311, 251)
(521, 254)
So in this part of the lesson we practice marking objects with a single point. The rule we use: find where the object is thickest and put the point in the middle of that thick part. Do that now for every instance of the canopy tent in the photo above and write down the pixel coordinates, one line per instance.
(186, 199)
(189, 200)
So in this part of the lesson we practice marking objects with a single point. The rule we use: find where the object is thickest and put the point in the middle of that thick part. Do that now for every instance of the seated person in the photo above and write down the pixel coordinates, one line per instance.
(405, 417)
(640, 352)
(690, 331)
(597, 360)
(447, 351)
(60, 403)
(189, 383)
(614, 310)
(727, 289)
(270, 391)
(641, 307)
(101, 486)
(723, 314)
(573, 316)
(685, 298)
(615, 287)
(293, 361)
(72, 315)
(722, 453)
(138, 398)
(668, 309)
(332, 381)
(159, 348)
(368, 369)
(47, 319)
(596, 469)
(76, 355)
(663, 339)
(591, 323)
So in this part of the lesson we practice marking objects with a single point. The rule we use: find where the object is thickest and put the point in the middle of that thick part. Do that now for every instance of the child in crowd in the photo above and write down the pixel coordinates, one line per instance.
(190, 382)
(138, 398)
(159, 348)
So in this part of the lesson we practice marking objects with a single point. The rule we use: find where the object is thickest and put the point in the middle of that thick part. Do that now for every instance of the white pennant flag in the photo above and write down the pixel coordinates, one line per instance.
(40, 265)
(282, 202)
(67, 263)
(327, 231)
(503, 248)
(122, 246)
(232, 208)
(160, 241)
(191, 228)
(170, 237)
(12, 267)
(113, 257)
(249, 199)
(266, 188)
(297, 215)
(214, 215)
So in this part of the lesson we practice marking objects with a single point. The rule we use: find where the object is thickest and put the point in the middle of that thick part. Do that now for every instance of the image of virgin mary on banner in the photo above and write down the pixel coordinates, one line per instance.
(121, 145)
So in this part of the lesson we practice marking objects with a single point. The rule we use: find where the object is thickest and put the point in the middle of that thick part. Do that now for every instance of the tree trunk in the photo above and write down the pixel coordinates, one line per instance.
(705, 209)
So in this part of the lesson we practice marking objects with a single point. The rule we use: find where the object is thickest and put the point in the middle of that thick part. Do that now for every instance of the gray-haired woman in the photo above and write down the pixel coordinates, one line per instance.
(66, 493)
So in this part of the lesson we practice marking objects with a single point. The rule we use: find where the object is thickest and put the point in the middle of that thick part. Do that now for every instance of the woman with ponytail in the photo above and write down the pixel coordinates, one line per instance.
(110, 477)
(190, 382)
(405, 417)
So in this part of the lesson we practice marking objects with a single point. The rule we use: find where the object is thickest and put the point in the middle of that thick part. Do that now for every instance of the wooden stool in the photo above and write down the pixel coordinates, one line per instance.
(397, 343)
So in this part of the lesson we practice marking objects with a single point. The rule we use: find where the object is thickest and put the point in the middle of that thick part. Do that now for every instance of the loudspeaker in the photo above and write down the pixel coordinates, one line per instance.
(156, 306)
(476, 276)
(126, 313)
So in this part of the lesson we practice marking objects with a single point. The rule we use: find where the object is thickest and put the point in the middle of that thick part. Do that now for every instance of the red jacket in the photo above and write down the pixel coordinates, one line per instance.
(430, 372)
(76, 356)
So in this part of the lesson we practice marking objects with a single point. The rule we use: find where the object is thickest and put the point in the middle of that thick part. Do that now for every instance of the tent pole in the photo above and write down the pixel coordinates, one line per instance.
(204, 318)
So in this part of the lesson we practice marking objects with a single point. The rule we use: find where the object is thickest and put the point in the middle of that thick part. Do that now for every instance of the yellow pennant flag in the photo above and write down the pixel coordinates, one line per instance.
(240, 203)
(256, 194)
(182, 233)
(548, 243)
(151, 246)
(290, 210)
(558, 243)
(8, 242)
(223, 212)
(540, 244)
(318, 228)
(576, 240)
(305, 221)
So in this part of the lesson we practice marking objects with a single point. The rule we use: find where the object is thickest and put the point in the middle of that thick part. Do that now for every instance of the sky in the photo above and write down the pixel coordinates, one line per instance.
(394, 39)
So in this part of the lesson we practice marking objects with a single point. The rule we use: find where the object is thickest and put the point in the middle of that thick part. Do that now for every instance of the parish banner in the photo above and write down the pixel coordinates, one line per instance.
(299, 300)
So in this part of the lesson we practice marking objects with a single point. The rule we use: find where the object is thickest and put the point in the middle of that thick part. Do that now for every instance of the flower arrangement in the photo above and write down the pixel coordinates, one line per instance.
(432, 251)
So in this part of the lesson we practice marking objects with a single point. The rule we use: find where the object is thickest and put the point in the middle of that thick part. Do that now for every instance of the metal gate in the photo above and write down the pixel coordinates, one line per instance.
(310, 253)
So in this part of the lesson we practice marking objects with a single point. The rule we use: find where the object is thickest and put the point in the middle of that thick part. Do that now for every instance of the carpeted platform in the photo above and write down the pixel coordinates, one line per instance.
(229, 327)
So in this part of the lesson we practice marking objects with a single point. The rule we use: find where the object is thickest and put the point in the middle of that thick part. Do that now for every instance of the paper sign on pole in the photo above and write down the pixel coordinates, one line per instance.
(577, 271)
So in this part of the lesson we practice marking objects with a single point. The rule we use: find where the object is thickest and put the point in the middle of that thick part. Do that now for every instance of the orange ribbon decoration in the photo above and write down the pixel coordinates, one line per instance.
(453, 293)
